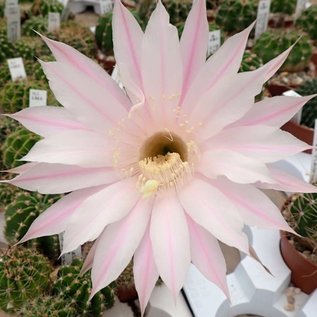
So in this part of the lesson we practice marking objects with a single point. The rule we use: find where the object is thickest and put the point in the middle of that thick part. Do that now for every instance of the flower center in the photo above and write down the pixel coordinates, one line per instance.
(163, 162)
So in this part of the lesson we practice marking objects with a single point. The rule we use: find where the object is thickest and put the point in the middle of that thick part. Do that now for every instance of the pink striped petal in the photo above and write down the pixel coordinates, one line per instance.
(127, 42)
(194, 42)
(210, 208)
(107, 206)
(57, 178)
(170, 241)
(117, 245)
(68, 55)
(274, 111)
(207, 256)
(55, 219)
(264, 143)
(225, 62)
(237, 167)
(145, 271)
(47, 120)
(254, 206)
(286, 182)
(161, 65)
(86, 149)
(92, 103)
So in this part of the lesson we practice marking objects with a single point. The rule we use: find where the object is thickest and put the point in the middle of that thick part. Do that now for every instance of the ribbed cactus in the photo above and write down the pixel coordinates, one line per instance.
(24, 274)
(283, 6)
(36, 23)
(14, 96)
(7, 194)
(309, 111)
(250, 61)
(43, 7)
(103, 34)
(76, 288)
(303, 217)
(48, 306)
(308, 21)
(17, 145)
(235, 15)
(273, 42)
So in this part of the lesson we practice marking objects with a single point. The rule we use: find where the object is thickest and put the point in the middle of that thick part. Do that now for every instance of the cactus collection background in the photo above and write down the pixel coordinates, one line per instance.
(33, 280)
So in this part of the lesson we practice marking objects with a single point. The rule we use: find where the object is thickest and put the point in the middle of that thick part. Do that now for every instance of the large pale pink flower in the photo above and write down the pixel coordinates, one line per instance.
(164, 169)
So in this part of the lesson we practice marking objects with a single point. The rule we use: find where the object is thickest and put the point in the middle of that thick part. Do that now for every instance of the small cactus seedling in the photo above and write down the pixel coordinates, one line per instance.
(36, 23)
(24, 274)
(48, 306)
(103, 34)
(309, 111)
(273, 42)
(43, 7)
(250, 61)
(76, 288)
(283, 6)
(17, 145)
(235, 15)
(308, 21)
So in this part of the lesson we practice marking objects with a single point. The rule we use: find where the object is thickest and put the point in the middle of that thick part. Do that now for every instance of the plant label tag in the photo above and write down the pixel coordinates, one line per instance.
(214, 41)
(54, 21)
(298, 116)
(262, 18)
(106, 6)
(300, 7)
(16, 68)
(68, 258)
(313, 167)
(37, 97)
(8, 4)
(13, 23)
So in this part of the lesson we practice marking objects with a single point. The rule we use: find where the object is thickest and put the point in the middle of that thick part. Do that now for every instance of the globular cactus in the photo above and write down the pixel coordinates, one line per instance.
(103, 34)
(283, 6)
(14, 96)
(309, 111)
(250, 61)
(43, 7)
(235, 15)
(7, 194)
(302, 215)
(36, 23)
(273, 42)
(7, 126)
(17, 145)
(6, 48)
(24, 274)
(76, 288)
(308, 21)
(48, 306)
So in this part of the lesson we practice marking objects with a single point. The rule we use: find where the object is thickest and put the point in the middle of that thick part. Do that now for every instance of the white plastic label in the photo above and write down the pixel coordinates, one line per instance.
(16, 68)
(8, 4)
(298, 116)
(105, 6)
(214, 41)
(13, 23)
(37, 97)
(54, 21)
(300, 7)
(67, 258)
(313, 167)
(262, 18)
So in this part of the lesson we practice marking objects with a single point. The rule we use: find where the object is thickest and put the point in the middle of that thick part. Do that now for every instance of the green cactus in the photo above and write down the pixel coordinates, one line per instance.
(273, 42)
(309, 111)
(303, 217)
(24, 274)
(177, 9)
(7, 194)
(6, 48)
(308, 21)
(103, 34)
(36, 23)
(48, 306)
(283, 6)
(76, 288)
(17, 145)
(235, 15)
(15, 95)
(43, 7)
(250, 61)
